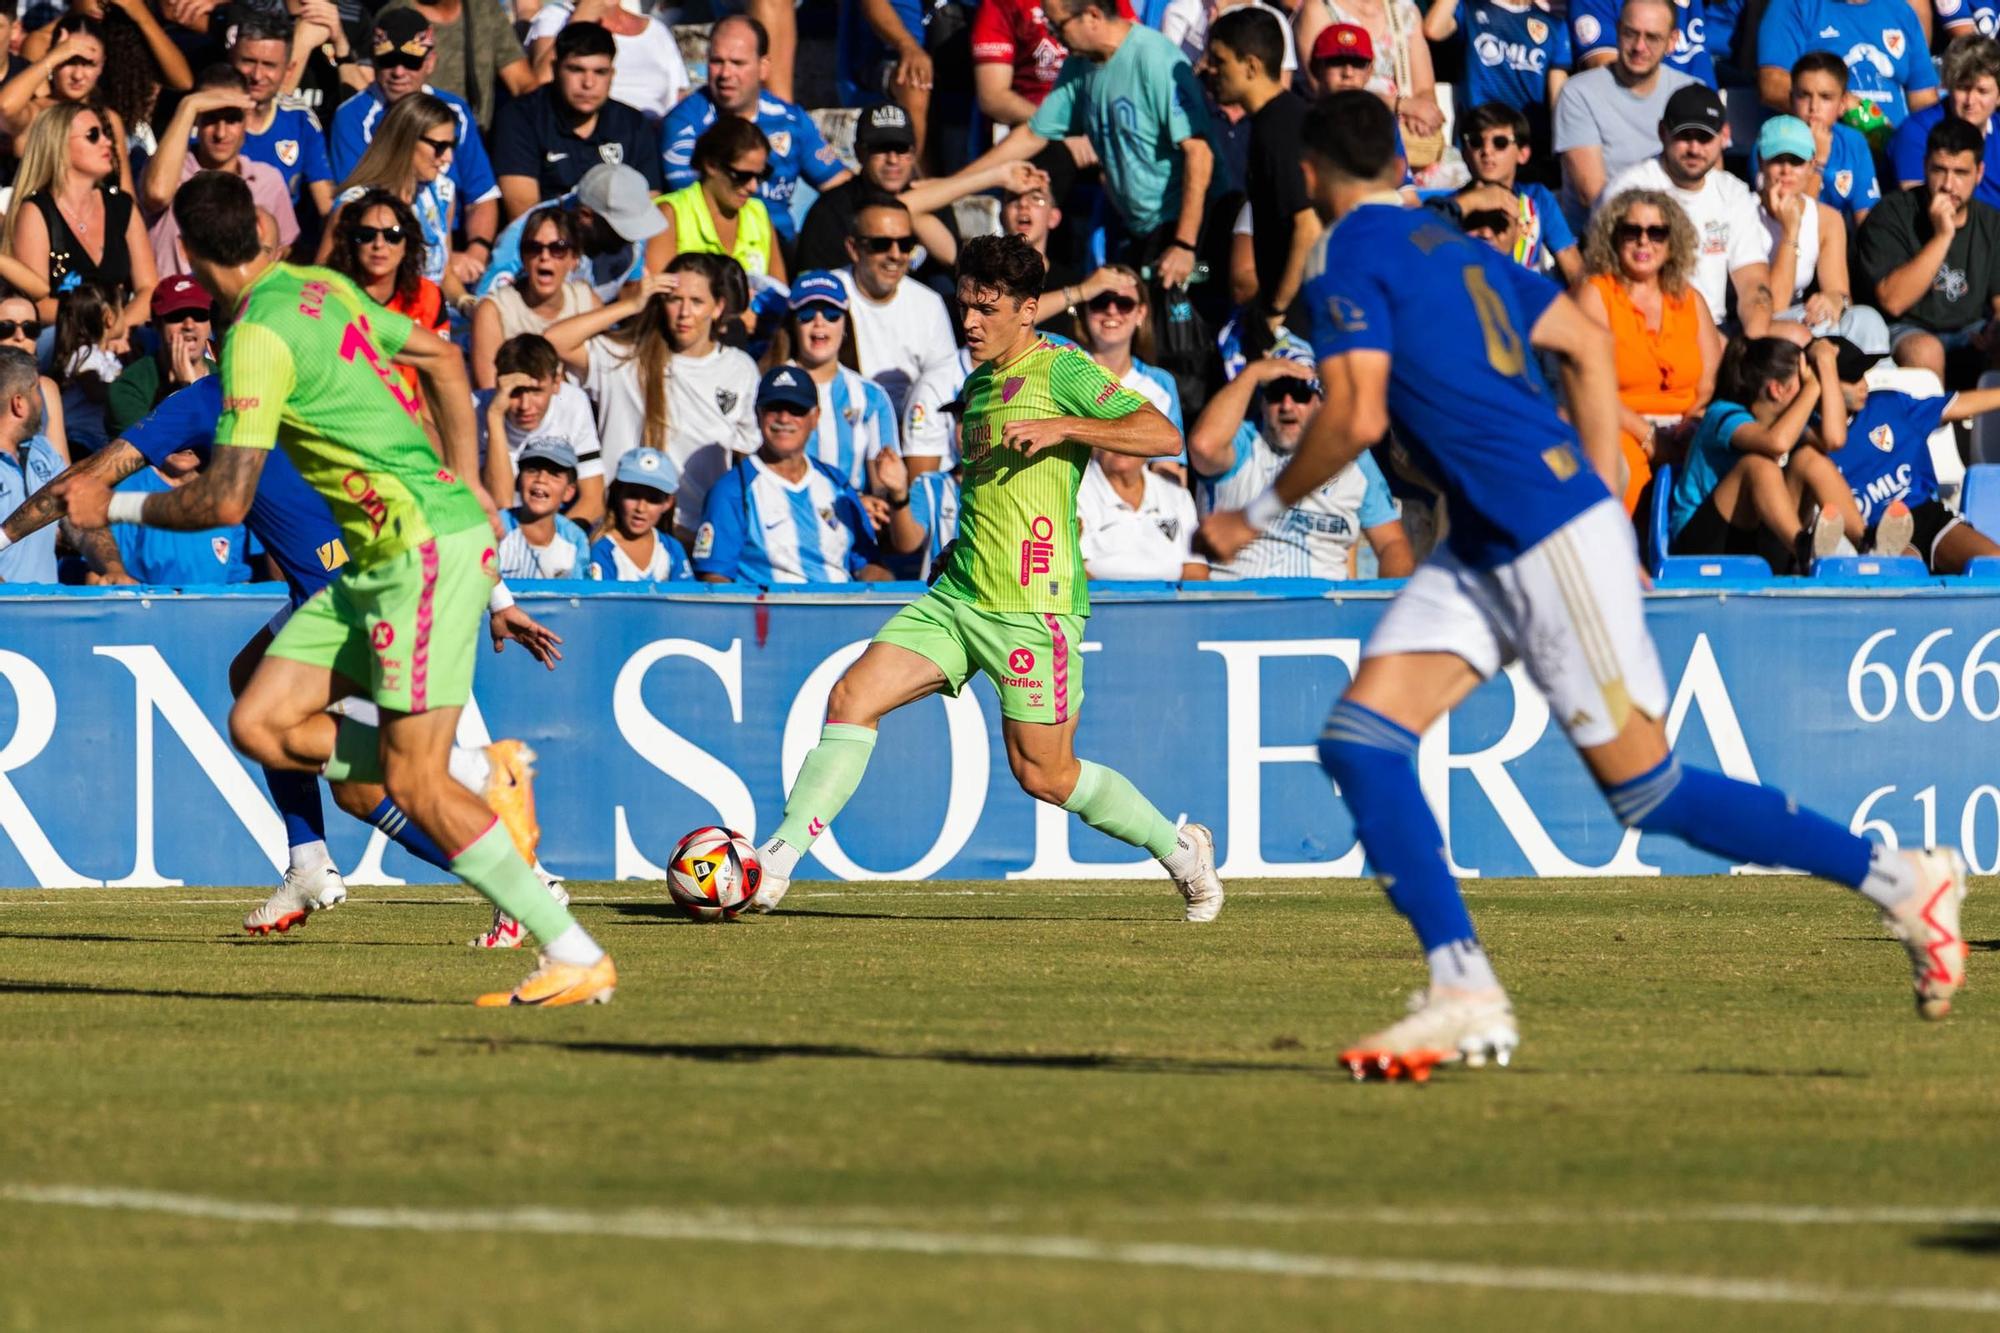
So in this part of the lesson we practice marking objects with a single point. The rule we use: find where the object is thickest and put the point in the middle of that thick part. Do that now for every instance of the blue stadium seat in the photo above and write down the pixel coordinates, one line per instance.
(1980, 500)
(1871, 569)
(1712, 568)
(1983, 567)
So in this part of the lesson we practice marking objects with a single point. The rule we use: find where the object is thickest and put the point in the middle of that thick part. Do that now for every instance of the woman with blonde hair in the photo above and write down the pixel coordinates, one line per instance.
(410, 157)
(1638, 261)
(544, 290)
(72, 224)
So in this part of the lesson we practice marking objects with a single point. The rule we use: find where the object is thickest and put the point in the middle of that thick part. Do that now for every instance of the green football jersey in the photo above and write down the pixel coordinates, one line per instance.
(1018, 542)
(306, 367)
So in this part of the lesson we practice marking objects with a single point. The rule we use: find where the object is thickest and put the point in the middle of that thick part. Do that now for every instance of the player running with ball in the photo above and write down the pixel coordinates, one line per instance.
(1012, 599)
(1415, 325)
(309, 365)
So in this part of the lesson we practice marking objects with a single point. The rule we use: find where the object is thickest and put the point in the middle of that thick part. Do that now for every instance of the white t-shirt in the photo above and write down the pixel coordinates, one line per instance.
(1729, 234)
(1185, 22)
(569, 418)
(902, 339)
(1149, 389)
(1315, 538)
(711, 414)
(1807, 271)
(1152, 541)
(647, 74)
(929, 431)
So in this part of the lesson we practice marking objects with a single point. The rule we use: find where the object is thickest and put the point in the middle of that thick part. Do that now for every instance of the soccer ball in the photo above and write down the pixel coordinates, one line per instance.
(714, 874)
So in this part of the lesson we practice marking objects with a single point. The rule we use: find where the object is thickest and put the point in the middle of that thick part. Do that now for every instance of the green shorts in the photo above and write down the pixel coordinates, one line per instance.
(406, 630)
(1031, 657)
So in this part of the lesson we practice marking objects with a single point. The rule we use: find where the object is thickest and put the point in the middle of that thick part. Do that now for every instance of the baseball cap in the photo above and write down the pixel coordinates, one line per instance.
(1785, 136)
(403, 33)
(1695, 107)
(620, 195)
(1343, 41)
(180, 292)
(1852, 363)
(787, 386)
(649, 468)
(819, 286)
(548, 449)
(885, 126)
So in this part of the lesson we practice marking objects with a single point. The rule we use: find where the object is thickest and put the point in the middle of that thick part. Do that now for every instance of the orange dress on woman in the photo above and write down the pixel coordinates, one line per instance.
(1659, 372)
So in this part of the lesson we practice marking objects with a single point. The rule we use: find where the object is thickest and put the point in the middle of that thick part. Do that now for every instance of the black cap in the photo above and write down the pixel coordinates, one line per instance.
(1695, 107)
(1851, 363)
(885, 126)
(404, 33)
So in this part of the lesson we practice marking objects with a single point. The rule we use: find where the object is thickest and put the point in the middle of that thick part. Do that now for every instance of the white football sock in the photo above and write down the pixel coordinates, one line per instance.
(1183, 859)
(1461, 966)
(574, 947)
(778, 858)
(1891, 879)
(310, 855)
(470, 768)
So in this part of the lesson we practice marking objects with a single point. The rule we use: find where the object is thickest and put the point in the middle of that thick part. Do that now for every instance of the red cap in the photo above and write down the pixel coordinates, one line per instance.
(178, 293)
(1343, 41)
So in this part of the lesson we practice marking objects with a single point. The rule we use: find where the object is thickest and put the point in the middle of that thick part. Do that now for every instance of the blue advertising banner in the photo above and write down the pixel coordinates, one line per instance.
(673, 711)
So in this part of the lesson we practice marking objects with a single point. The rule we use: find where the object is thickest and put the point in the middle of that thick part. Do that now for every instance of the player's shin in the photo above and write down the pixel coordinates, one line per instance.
(825, 783)
(1106, 800)
(297, 797)
(491, 865)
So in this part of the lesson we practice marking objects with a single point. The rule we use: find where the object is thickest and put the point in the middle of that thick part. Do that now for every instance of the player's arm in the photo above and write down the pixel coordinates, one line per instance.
(107, 467)
(219, 498)
(1590, 380)
(1104, 414)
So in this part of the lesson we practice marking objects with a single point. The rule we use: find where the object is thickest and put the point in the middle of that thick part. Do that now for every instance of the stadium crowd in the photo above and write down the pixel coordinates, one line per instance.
(707, 303)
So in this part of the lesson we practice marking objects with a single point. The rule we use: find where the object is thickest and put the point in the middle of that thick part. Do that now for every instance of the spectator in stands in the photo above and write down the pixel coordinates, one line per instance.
(67, 202)
(536, 403)
(779, 516)
(1494, 139)
(1639, 258)
(1402, 74)
(1190, 24)
(1735, 249)
(536, 541)
(89, 342)
(930, 417)
(183, 327)
(1608, 118)
(277, 133)
(1808, 246)
(631, 549)
(739, 51)
(1931, 256)
(661, 380)
(67, 75)
(30, 465)
(408, 160)
(1245, 51)
(1135, 97)
(1117, 322)
(901, 328)
(621, 232)
(476, 49)
(1031, 214)
(161, 557)
(1245, 436)
(857, 423)
(1972, 92)
(1518, 56)
(1136, 524)
(1749, 467)
(542, 292)
(375, 241)
(21, 327)
(1958, 18)
(1593, 27)
(1015, 58)
(206, 134)
(1883, 43)
(649, 75)
(1343, 58)
(1843, 165)
(405, 56)
(544, 142)
(881, 54)
(720, 214)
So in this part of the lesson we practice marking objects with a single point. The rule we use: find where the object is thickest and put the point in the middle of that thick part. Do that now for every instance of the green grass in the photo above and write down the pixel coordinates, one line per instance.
(987, 1061)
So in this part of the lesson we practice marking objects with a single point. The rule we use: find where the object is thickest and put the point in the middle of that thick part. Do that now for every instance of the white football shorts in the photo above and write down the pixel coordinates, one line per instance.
(1569, 609)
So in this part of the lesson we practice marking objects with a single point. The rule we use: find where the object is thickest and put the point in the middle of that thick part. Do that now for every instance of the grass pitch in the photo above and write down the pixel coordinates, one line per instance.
(975, 1107)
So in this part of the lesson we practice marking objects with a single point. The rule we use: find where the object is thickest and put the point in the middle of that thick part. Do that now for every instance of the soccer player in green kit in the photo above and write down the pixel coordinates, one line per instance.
(1012, 598)
(309, 365)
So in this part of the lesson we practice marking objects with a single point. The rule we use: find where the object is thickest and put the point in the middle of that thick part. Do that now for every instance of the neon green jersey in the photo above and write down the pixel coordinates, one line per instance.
(306, 367)
(1017, 547)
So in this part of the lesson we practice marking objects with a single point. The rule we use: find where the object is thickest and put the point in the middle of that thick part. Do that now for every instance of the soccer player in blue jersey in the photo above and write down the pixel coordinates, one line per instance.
(1418, 327)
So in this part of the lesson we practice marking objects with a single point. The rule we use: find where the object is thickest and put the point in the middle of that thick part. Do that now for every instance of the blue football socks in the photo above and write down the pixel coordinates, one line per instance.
(389, 817)
(297, 797)
(1741, 821)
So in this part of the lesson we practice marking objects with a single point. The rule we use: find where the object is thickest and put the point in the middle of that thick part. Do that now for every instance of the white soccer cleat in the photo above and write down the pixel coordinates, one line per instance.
(1443, 1027)
(1201, 887)
(1927, 924)
(303, 893)
(771, 886)
(506, 932)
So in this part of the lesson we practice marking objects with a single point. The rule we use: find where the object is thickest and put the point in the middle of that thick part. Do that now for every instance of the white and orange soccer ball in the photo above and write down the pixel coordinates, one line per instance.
(714, 874)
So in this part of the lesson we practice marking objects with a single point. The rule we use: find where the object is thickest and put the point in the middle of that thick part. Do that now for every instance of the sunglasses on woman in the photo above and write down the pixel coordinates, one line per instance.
(1105, 302)
(370, 235)
(881, 245)
(440, 146)
(820, 312)
(1627, 232)
(553, 249)
(743, 179)
(94, 134)
(24, 328)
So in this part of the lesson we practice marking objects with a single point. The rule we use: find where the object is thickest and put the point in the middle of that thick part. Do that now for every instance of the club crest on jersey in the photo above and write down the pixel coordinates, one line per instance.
(1538, 31)
(219, 545)
(1882, 437)
(1014, 385)
(1892, 42)
(726, 400)
(781, 142)
(614, 153)
(288, 151)
(1347, 314)
(1843, 183)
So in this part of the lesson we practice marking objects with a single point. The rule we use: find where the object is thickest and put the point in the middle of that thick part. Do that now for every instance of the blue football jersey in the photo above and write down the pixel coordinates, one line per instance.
(1593, 26)
(1465, 396)
(294, 144)
(287, 517)
(1886, 54)
(1510, 51)
(1888, 453)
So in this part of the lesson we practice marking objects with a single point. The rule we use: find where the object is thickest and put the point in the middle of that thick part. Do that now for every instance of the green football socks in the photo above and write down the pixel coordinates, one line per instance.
(1107, 801)
(826, 781)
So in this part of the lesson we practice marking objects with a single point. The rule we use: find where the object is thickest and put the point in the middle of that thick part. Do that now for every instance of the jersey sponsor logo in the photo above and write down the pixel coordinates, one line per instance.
(1014, 385)
(382, 636)
(247, 404)
(332, 555)
(1883, 437)
(362, 492)
(1829, 31)
(1038, 553)
(288, 152)
(1021, 661)
(312, 300)
(489, 564)
(1864, 53)
(1885, 489)
(1107, 393)
(444, 475)
(613, 153)
(1514, 55)
(726, 400)
(1892, 42)
(1588, 29)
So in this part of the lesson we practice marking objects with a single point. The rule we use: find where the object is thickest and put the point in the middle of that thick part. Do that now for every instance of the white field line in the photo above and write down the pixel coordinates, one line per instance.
(713, 1227)
(369, 896)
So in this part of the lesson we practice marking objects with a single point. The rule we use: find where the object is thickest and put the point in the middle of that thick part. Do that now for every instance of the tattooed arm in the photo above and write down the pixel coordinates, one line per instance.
(109, 465)
(219, 498)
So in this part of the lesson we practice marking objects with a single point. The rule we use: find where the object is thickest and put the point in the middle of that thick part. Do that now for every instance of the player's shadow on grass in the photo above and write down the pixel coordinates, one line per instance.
(11, 987)
(1982, 1239)
(760, 1052)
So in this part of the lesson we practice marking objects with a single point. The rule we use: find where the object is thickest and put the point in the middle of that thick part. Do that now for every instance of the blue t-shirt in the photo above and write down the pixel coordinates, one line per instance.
(1980, 16)
(1887, 57)
(1465, 395)
(295, 145)
(287, 517)
(1906, 153)
(1593, 26)
(169, 559)
(610, 564)
(798, 151)
(859, 53)
(856, 423)
(355, 123)
(1848, 182)
(1719, 29)
(1888, 453)
(1545, 232)
(33, 558)
(1509, 53)
(1710, 457)
(756, 527)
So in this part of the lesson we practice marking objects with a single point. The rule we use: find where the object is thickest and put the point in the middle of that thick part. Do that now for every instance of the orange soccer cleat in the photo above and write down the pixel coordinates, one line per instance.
(554, 984)
(510, 794)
